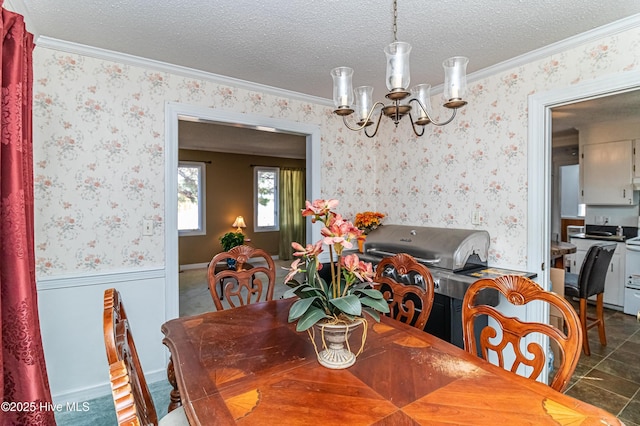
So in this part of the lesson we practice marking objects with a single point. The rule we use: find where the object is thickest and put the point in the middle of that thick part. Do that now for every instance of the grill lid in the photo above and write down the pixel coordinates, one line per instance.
(446, 248)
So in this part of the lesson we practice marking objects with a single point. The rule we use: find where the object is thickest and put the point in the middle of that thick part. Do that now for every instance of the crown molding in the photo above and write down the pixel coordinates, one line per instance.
(137, 61)
(595, 34)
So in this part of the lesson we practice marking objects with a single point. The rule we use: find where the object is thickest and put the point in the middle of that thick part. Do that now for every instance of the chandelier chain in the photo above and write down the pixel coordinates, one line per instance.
(395, 20)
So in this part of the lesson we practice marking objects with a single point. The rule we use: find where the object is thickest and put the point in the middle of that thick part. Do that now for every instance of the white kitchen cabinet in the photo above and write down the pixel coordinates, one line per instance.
(614, 282)
(607, 173)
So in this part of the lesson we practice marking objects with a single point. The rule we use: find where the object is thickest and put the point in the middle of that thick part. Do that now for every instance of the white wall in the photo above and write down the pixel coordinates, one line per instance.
(71, 322)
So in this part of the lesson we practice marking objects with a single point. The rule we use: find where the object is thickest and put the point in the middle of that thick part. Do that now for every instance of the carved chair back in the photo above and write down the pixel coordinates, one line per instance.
(131, 395)
(242, 285)
(408, 287)
(508, 340)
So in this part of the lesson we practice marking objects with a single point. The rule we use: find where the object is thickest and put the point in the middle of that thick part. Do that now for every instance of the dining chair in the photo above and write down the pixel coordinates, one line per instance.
(408, 287)
(242, 285)
(131, 396)
(507, 337)
(590, 282)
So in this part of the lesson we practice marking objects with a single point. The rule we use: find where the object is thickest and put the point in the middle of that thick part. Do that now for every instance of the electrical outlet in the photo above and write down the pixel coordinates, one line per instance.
(147, 227)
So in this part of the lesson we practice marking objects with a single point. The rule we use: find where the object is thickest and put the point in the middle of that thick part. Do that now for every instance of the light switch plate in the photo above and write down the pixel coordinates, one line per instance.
(147, 227)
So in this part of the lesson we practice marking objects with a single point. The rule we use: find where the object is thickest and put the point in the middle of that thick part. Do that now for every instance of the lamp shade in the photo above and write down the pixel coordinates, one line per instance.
(239, 223)
(364, 100)
(455, 78)
(398, 75)
(422, 92)
(342, 87)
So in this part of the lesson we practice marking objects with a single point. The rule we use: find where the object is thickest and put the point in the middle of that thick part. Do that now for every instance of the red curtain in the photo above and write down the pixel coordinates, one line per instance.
(24, 375)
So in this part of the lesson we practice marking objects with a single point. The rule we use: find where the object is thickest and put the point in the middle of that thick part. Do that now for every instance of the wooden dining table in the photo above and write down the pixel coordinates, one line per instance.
(248, 365)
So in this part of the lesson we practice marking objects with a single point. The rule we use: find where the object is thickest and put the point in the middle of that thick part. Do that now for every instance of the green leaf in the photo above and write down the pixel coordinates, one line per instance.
(380, 305)
(349, 304)
(292, 283)
(299, 308)
(373, 313)
(369, 292)
(312, 316)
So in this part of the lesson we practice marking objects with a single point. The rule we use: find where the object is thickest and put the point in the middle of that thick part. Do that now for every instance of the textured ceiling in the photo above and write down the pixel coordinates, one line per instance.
(294, 44)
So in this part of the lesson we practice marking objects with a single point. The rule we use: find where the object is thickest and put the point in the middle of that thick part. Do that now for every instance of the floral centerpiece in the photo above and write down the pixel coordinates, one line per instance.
(348, 294)
(368, 221)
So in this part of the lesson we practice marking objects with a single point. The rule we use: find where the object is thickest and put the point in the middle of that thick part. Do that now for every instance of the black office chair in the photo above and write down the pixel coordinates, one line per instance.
(590, 282)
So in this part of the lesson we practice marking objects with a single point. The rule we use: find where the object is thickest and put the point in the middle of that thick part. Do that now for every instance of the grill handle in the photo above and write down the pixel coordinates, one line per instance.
(388, 253)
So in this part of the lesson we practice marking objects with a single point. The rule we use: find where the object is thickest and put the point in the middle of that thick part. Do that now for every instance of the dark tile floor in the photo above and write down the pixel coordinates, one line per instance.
(610, 377)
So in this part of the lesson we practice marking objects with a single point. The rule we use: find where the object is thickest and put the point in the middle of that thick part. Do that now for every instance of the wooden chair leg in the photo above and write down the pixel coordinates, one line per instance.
(583, 324)
(600, 318)
(175, 401)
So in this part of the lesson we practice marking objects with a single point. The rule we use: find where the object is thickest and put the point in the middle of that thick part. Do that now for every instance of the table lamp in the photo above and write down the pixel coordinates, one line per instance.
(239, 223)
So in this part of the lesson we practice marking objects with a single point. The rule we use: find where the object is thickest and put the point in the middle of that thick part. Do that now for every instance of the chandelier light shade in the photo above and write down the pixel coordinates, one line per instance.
(397, 79)
(455, 81)
(342, 87)
(398, 75)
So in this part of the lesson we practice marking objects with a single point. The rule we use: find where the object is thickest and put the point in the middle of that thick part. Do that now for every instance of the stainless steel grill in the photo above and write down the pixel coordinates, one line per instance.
(450, 254)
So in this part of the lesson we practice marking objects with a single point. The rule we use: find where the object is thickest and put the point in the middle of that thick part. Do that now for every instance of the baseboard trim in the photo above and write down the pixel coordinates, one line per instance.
(194, 266)
(206, 265)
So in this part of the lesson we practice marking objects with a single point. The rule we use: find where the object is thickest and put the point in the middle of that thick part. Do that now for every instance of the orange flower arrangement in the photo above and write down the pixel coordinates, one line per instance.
(368, 221)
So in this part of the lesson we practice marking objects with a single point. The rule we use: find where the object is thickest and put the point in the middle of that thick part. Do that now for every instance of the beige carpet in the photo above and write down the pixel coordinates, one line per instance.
(194, 290)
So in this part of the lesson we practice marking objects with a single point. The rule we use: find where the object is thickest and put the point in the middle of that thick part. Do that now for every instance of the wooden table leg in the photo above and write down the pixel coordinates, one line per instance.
(559, 262)
(175, 393)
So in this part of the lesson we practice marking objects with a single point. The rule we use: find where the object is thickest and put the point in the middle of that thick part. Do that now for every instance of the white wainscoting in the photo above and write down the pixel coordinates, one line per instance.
(71, 310)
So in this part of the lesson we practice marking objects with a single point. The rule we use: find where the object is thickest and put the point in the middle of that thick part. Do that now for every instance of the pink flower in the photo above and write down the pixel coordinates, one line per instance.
(339, 231)
(311, 250)
(361, 270)
(319, 208)
(351, 264)
(293, 270)
(367, 271)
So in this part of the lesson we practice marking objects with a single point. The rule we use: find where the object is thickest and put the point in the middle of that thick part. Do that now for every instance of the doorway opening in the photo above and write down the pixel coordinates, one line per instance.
(174, 112)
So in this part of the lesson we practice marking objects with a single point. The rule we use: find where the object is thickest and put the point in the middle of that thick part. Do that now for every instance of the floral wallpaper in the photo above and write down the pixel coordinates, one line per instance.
(99, 160)
(479, 161)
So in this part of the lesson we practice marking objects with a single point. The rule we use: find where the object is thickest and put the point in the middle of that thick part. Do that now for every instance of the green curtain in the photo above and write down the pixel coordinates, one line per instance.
(292, 197)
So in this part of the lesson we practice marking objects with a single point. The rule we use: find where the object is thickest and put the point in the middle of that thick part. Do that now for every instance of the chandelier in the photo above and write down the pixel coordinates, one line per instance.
(397, 53)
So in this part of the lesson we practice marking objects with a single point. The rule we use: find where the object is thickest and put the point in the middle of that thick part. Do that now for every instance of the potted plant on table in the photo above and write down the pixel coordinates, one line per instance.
(229, 241)
(367, 222)
(338, 306)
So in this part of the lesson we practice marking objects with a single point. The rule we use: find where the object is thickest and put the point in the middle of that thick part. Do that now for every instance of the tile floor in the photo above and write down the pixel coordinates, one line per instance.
(609, 378)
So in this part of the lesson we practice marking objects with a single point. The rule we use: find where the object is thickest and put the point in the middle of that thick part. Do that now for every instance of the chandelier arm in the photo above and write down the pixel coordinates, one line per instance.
(366, 120)
(442, 123)
(432, 121)
(413, 126)
(375, 132)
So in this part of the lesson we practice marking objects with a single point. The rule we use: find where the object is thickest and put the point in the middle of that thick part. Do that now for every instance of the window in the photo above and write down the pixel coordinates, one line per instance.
(191, 198)
(570, 192)
(266, 199)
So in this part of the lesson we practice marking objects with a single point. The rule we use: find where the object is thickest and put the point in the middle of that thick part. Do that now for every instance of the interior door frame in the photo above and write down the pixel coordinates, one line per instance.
(539, 174)
(539, 157)
(173, 113)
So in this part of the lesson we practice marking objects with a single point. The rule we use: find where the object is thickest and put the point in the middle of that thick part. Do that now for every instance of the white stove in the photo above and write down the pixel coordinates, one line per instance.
(632, 277)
